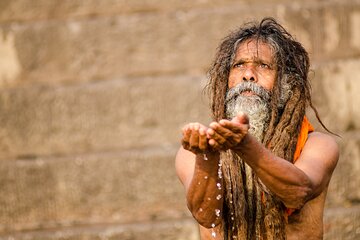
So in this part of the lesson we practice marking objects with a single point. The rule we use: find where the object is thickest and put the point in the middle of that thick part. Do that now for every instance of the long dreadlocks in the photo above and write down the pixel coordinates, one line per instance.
(250, 210)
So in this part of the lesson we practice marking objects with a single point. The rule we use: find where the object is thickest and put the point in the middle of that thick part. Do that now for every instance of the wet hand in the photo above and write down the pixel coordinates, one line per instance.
(227, 134)
(194, 138)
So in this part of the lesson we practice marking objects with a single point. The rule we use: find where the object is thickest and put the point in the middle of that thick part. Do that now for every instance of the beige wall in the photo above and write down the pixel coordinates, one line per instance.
(93, 95)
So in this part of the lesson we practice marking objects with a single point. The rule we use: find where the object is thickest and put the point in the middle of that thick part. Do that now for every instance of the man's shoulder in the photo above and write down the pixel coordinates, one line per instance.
(322, 138)
(323, 144)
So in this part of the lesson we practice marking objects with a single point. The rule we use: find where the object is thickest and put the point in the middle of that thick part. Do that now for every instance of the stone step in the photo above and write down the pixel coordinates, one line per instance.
(344, 186)
(336, 94)
(182, 229)
(116, 187)
(342, 223)
(116, 114)
(160, 42)
(22, 10)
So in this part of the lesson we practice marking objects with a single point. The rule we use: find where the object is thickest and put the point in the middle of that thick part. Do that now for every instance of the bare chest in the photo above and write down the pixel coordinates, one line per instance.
(307, 223)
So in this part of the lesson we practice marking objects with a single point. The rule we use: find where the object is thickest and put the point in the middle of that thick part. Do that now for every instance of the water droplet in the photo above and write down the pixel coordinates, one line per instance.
(218, 185)
(206, 177)
(234, 237)
(213, 233)
(213, 225)
(198, 183)
(218, 197)
(200, 209)
(219, 170)
(205, 157)
(208, 198)
(217, 212)
(232, 218)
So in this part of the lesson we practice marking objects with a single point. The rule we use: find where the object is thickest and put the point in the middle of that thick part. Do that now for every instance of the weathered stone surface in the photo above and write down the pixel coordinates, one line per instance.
(184, 229)
(9, 62)
(118, 187)
(344, 187)
(342, 223)
(116, 114)
(355, 31)
(128, 45)
(72, 85)
(335, 93)
(158, 43)
(22, 10)
(324, 30)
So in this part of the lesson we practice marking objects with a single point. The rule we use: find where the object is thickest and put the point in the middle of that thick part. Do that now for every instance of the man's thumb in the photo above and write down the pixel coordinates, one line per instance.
(241, 118)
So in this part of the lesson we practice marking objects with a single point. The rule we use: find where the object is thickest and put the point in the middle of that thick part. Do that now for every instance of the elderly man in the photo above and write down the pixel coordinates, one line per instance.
(259, 171)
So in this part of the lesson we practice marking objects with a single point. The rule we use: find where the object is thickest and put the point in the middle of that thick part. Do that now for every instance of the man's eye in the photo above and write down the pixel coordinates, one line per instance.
(238, 65)
(264, 65)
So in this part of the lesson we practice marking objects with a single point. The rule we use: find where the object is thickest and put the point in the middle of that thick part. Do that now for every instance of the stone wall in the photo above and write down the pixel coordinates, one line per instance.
(93, 95)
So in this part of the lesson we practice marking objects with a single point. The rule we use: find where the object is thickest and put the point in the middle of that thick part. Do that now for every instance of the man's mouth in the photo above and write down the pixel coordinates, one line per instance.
(247, 92)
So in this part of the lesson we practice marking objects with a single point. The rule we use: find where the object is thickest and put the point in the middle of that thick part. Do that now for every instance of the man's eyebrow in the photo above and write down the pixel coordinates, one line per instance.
(259, 60)
(236, 61)
(254, 59)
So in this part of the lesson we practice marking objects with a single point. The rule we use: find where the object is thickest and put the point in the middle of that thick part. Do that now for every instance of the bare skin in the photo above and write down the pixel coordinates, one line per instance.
(302, 185)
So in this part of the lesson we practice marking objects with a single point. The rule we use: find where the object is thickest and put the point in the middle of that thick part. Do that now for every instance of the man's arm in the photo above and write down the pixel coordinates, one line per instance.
(200, 178)
(294, 184)
(197, 167)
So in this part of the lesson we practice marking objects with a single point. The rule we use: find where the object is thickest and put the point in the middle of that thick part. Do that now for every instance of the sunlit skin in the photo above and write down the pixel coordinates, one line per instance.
(253, 62)
(305, 183)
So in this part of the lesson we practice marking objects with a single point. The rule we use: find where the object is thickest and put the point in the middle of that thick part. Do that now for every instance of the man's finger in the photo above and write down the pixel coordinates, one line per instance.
(234, 127)
(186, 134)
(194, 137)
(216, 145)
(203, 141)
(226, 137)
(241, 118)
(185, 145)
(218, 137)
(225, 131)
(213, 144)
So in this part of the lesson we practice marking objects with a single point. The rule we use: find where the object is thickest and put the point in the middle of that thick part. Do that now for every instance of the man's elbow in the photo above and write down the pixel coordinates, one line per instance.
(205, 218)
(298, 197)
(208, 223)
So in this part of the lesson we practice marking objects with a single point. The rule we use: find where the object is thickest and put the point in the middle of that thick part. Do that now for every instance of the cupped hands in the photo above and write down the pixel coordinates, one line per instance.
(219, 136)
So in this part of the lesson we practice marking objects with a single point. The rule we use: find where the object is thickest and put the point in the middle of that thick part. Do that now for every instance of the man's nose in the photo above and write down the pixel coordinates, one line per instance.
(249, 74)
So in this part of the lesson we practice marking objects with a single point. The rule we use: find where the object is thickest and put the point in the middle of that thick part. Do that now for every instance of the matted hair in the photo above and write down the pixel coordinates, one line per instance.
(289, 99)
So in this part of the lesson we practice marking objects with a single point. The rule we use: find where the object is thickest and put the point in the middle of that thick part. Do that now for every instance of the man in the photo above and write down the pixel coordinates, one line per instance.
(259, 171)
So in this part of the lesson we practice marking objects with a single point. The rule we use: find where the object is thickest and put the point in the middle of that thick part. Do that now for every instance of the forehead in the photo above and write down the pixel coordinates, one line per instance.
(254, 49)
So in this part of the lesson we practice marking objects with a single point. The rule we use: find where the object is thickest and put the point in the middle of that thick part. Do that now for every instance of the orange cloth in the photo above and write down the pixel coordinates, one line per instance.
(306, 128)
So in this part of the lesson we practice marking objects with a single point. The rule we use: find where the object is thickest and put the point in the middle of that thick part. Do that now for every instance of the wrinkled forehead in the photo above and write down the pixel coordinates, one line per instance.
(257, 48)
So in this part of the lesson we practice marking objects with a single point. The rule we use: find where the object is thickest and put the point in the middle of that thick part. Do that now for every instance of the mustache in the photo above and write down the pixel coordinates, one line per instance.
(258, 90)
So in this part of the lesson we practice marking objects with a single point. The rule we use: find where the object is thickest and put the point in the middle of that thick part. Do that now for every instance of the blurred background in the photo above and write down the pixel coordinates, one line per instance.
(93, 95)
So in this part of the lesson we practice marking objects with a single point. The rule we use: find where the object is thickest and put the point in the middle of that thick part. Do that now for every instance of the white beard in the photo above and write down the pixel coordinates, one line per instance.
(257, 109)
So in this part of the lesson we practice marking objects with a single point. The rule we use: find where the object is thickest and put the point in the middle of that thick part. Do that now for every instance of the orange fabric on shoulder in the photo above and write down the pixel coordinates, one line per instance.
(306, 128)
